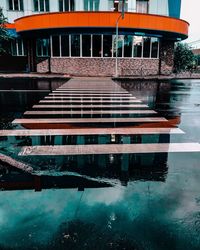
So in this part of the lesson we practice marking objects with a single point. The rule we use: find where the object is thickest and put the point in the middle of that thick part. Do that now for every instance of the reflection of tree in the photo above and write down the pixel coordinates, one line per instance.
(81, 235)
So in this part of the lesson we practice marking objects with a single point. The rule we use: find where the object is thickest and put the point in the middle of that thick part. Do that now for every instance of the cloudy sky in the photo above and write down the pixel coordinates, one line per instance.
(191, 12)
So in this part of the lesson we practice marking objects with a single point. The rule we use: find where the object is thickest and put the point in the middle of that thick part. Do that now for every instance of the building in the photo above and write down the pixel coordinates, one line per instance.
(78, 37)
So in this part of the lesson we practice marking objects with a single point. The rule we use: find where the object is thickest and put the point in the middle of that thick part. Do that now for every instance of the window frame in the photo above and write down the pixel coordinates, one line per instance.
(64, 5)
(42, 54)
(147, 6)
(20, 5)
(17, 44)
(39, 6)
(101, 36)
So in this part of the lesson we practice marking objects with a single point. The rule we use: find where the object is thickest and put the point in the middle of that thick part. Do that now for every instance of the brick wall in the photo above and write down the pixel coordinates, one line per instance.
(100, 66)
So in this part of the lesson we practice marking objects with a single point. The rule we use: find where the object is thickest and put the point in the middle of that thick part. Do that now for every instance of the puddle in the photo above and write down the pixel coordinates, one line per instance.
(97, 168)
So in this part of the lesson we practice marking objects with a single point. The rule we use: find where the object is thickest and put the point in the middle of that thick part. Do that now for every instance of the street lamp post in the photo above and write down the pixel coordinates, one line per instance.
(117, 38)
(116, 45)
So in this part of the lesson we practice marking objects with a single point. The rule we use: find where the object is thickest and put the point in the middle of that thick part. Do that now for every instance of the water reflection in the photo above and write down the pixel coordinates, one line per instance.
(126, 201)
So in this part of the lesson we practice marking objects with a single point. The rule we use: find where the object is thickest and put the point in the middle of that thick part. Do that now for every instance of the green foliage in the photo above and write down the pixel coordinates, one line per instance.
(197, 59)
(184, 58)
(4, 35)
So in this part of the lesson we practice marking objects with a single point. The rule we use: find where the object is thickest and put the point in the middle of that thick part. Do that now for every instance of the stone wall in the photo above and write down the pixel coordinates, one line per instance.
(166, 57)
(42, 65)
(100, 66)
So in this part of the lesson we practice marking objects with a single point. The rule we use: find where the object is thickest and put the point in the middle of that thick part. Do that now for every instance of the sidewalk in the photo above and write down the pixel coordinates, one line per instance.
(185, 75)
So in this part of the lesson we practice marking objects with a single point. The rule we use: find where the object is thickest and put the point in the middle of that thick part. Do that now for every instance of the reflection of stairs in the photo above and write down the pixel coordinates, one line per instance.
(97, 118)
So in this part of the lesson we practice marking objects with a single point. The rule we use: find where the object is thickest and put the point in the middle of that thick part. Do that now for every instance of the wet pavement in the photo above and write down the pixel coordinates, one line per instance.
(93, 163)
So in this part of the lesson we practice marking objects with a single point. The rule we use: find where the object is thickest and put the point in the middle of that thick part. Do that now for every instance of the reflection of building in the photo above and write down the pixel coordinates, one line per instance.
(78, 36)
(123, 167)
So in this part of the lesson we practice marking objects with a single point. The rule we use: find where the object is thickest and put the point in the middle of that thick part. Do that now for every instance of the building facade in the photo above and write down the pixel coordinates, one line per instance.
(78, 37)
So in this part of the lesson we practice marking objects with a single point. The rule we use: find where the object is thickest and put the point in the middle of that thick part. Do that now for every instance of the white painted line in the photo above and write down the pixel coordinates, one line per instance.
(90, 97)
(23, 90)
(91, 131)
(88, 94)
(58, 106)
(89, 120)
(110, 149)
(91, 91)
(89, 112)
(89, 101)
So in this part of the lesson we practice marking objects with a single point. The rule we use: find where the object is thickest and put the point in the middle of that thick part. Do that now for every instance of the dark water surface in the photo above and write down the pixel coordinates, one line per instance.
(108, 201)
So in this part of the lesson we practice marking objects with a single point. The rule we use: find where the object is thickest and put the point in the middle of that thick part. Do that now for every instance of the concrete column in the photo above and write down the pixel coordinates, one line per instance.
(31, 53)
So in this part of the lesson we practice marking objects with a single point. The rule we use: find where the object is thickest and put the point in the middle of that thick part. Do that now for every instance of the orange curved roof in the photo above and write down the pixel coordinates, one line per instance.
(101, 20)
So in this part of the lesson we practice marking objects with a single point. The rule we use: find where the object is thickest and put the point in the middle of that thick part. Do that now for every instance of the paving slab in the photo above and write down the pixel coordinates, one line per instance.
(104, 149)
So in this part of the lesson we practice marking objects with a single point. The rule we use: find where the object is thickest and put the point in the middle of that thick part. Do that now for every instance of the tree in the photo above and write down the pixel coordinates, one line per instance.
(184, 58)
(197, 60)
(4, 35)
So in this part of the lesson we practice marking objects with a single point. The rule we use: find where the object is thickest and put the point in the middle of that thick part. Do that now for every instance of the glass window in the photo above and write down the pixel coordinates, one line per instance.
(125, 6)
(61, 7)
(42, 46)
(86, 45)
(91, 5)
(66, 5)
(17, 47)
(110, 5)
(65, 45)
(20, 47)
(47, 5)
(154, 47)
(120, 45)
(72, 5)
(41, 5)
(96, 46)
(17, 5)
(137, 43)
(56, 46)
(36, 5)
(128, 41)
(14, 48)
(142, 6)
(146, 48)
(75, 45)
(107, 46)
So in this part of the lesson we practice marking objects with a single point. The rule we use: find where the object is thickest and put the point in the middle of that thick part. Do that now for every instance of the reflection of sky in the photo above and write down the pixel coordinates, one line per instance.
(144, 211)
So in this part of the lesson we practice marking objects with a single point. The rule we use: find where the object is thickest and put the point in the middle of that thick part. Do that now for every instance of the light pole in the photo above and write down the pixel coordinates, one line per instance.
(117, 38)
(116, 46)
